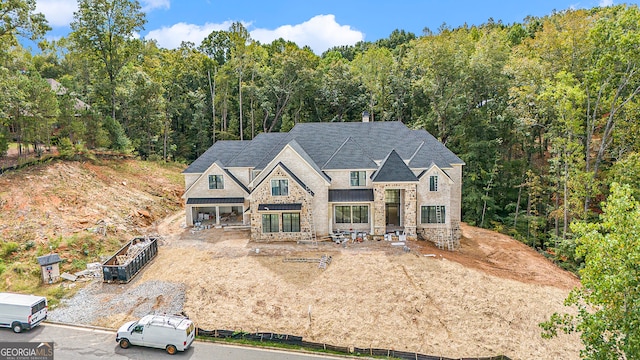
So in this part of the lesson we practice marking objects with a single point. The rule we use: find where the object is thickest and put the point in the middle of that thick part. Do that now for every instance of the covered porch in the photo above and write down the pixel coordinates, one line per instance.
(215, 211)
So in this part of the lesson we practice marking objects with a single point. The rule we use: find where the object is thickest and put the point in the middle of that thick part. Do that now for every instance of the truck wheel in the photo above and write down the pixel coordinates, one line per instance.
(124, 343)
(171, 349)
(17, 327)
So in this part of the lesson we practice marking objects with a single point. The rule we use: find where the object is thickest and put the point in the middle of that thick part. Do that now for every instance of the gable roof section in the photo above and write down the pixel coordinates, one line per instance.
(237, 181)
(432, 151)
(222, 151)
(290, 173)
(438, 169)
(393, 169)
(350, 155)
(256, 149)
(297, 148)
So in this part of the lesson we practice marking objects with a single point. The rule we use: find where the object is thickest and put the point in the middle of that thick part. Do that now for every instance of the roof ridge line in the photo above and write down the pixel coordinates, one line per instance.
(335, 152)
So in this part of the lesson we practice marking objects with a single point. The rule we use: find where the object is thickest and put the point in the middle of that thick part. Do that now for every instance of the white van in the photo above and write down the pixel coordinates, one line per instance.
(172, 333)
(22, 312)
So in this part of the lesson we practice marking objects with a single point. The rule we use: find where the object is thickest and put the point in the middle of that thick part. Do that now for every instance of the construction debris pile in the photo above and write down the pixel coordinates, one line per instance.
(322, 262)
(94, 270)
(137, 245)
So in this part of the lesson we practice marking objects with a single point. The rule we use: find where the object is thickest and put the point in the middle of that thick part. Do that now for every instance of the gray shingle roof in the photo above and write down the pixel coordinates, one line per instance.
(350, 155)
(223, 151)
(256, 150)
(49, 259)
(351, 145)
(393, 168)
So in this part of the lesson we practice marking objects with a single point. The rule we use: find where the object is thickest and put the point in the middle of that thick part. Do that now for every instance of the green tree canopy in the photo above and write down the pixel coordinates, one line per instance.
(609, 300)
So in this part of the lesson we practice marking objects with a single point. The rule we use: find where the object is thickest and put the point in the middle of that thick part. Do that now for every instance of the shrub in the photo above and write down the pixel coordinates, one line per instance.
(65, 148)
(9, 248)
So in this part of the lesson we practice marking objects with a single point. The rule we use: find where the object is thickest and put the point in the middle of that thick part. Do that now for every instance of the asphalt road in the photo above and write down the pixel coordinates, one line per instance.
(78, 343)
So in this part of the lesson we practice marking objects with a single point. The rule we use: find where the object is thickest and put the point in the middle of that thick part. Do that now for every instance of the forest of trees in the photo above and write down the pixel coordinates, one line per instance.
(543, 112)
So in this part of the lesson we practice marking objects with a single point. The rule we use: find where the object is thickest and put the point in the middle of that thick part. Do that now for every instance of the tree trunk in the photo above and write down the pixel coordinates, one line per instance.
(240, 104)
(212, 90)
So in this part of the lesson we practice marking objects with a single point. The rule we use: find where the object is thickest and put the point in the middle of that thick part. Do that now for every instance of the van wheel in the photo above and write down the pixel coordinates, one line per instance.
(124, 343)
(171, 349)
(17, 327)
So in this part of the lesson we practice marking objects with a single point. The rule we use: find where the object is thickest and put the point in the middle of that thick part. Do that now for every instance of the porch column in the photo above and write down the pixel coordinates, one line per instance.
(410, 210)
(379, 220)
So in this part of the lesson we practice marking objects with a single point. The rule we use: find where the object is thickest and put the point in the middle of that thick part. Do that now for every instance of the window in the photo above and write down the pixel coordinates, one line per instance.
(269, 223)
(433, 183)
(429, 214)
(358, 214)
(291, 222)
(280, 187)
(39, 306)
(392, 196)
(358, 178)
(216, 182)
(343, 214)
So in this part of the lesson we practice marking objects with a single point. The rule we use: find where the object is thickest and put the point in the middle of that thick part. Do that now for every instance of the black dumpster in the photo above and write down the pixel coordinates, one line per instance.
(128, 261)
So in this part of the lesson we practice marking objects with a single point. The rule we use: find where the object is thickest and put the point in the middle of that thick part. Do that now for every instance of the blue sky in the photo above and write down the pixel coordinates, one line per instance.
(318, 24)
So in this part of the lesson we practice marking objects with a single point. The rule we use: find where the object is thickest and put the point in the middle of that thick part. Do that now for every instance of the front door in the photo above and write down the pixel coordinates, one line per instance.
(392, 207)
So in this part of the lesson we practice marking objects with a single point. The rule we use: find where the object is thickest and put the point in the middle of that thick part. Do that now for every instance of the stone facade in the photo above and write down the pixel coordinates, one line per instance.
(262, 195)
(407, 200)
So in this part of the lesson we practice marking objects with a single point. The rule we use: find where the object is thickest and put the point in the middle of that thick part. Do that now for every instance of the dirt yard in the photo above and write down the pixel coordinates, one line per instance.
(485, 299)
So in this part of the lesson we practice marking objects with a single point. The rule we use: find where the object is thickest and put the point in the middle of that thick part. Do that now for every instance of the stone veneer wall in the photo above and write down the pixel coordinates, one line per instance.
(262, 195)
(408, 202)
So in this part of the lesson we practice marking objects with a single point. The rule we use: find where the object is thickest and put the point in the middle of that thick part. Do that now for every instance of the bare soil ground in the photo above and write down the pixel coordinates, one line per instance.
(485, 299)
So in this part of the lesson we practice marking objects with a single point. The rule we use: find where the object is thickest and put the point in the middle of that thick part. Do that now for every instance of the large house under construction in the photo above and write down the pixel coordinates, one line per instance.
(322, 178)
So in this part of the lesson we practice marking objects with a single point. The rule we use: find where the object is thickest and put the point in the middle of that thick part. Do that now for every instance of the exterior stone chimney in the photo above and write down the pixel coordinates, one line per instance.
(365, 116)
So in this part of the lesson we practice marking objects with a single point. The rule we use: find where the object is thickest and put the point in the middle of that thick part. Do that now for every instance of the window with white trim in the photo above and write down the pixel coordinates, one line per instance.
(291, 222)
(216, 182)
(269, 223)
(432, 214)
(358, 178)
(433, 183)
(346, 214)
(279, 187)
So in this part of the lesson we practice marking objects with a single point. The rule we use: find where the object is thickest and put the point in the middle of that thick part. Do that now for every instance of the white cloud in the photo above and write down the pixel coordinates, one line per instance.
(320, 33)
(604, 3)
(148, 5)
(57, 12)
(171, 37)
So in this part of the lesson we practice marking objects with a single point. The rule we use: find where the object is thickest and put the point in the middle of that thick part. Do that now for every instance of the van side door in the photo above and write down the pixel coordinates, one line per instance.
(137, 335)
